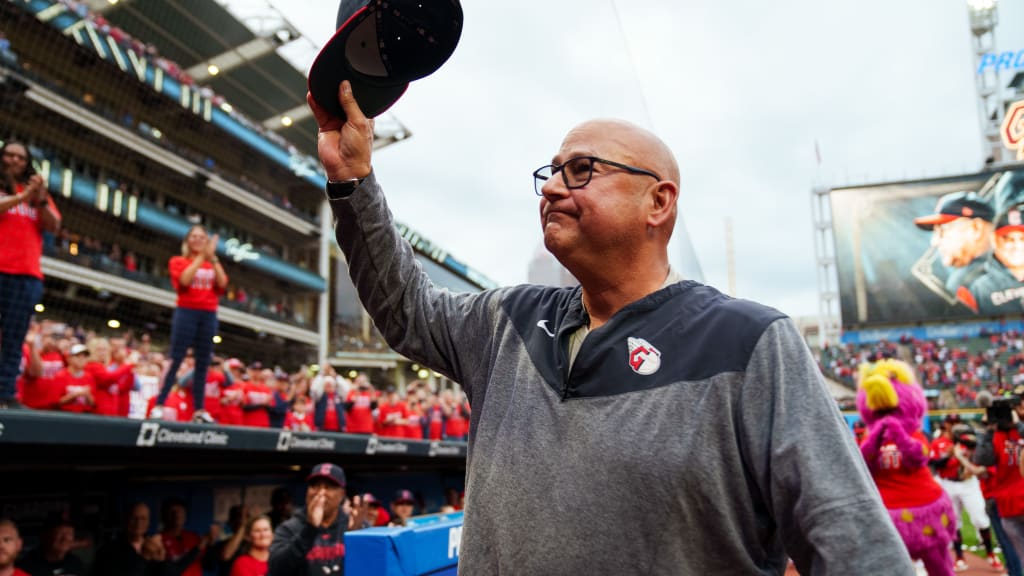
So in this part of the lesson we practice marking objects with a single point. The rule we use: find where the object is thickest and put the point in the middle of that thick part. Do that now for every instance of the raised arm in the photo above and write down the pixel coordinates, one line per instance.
(418, 320)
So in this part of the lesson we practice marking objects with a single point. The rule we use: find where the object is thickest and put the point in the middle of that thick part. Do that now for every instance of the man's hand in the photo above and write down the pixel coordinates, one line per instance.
(315, 509)
(345, 148)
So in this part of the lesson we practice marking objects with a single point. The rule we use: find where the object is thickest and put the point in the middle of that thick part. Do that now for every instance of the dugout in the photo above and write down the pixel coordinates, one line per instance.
(91, 469)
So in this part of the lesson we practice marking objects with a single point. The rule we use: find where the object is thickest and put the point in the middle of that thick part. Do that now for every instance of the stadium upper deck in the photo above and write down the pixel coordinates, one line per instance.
(135, 149)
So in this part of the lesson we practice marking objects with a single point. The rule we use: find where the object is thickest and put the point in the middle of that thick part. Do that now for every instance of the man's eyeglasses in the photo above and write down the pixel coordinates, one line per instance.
(577, 172)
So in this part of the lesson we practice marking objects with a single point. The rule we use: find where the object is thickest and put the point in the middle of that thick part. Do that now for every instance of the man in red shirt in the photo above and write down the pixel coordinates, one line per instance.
(257, 399)
(329, 414)
(359, 408)
(182, 546)
(75, 386)
(392, 413)
(232, 398)
(10, 547)
(26, 210)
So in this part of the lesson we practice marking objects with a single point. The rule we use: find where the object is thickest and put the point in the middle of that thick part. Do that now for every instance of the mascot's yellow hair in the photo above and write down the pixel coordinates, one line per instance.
(876, 380)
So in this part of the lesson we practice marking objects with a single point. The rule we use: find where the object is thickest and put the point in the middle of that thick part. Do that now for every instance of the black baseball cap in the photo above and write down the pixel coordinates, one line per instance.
(1010, 219)
(330, 471)
(403, 496)
(380, 46)
(956, 205)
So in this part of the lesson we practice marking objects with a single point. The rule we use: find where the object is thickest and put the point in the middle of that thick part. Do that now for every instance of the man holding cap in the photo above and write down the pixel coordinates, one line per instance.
(962, 234)
(312, 542)
(1000, 290)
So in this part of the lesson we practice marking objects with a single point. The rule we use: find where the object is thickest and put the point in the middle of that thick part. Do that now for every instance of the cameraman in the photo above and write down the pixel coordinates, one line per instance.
(999, 449)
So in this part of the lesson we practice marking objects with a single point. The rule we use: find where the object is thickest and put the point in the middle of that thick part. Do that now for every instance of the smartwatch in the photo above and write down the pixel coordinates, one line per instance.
(340, 189)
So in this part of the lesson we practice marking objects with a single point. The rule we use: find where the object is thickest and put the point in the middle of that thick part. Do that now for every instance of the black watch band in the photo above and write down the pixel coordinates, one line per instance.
(339, 189)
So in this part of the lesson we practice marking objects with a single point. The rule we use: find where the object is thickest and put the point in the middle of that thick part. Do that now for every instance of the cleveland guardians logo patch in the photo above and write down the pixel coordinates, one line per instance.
(644, 358)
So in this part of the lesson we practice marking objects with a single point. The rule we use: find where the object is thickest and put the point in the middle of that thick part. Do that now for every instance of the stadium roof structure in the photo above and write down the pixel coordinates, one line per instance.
(245, 51)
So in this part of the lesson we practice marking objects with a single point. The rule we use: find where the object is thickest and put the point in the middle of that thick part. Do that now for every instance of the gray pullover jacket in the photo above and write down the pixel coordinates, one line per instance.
(692, 435)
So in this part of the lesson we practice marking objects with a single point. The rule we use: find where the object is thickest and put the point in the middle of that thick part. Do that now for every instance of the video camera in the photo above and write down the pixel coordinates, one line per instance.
(1000, 412)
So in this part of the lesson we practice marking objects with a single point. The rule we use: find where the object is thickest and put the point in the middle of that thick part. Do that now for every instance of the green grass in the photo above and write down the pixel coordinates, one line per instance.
(972, 545)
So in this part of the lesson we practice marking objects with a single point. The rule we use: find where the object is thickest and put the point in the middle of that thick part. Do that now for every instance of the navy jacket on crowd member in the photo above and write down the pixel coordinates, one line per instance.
(278, 409)
(320, 412)
(301, 549)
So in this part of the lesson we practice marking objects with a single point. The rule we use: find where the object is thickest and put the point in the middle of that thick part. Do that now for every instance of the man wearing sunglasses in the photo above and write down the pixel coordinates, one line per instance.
(635, 391)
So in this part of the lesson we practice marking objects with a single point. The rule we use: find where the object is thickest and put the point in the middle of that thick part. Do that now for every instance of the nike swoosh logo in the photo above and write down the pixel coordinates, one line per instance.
(543, 325)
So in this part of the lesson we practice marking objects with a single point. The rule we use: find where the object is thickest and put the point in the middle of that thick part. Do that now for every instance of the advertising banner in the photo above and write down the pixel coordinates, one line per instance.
(942, 249)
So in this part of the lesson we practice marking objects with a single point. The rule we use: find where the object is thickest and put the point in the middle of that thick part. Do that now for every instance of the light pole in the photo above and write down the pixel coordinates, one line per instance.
(984, 16)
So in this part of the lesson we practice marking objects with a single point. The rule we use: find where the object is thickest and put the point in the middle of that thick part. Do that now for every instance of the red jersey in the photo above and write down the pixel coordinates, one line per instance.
(53, 362)
(259, 397)
(1007, 485)
(246, 565)
(22, 246)
(38, 393)
(299, 422)
(215, 383)
(457, 424)
(942, 447)
(18, 572)
(108, 386)
(202, 293)
(435, 423)
(387, 415)
(177, 547)
(360, 416)
(901, 487)
(331, 421)
(231, 399)
(413, 427)
(66, 383)
(178, 406)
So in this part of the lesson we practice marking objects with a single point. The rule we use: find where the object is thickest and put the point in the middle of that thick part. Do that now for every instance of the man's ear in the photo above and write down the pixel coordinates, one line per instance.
(663, 203)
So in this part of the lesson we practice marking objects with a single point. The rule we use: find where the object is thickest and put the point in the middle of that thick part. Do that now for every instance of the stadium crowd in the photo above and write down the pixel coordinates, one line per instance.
(66, 368)
(952, 373)
(241, 545)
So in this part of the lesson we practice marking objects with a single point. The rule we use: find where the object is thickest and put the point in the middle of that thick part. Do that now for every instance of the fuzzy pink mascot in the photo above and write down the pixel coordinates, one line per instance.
(896, 451)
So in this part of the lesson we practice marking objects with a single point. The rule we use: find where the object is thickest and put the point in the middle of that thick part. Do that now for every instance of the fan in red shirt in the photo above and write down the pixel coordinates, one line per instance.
(257, 398)
(231, 402)
(110, 378)
(199, 281)
(75, 385)
(435, 418)
(217, 379)
(182, 546)
(457, 426)
(258, 536)
(329, 414)
(414, 420)
(26, 210)
(34, 391)
(391, 413)
(177, 407)
(359, 408)
(300, 417)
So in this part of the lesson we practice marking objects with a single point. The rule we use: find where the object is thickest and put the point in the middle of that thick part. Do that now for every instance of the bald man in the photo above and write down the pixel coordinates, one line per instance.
(639, 423)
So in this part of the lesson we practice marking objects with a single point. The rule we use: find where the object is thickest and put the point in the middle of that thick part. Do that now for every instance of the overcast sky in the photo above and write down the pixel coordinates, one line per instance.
(740, 90)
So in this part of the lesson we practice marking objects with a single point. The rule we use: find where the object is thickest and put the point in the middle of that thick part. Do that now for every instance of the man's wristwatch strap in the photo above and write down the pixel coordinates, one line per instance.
(340, 189)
